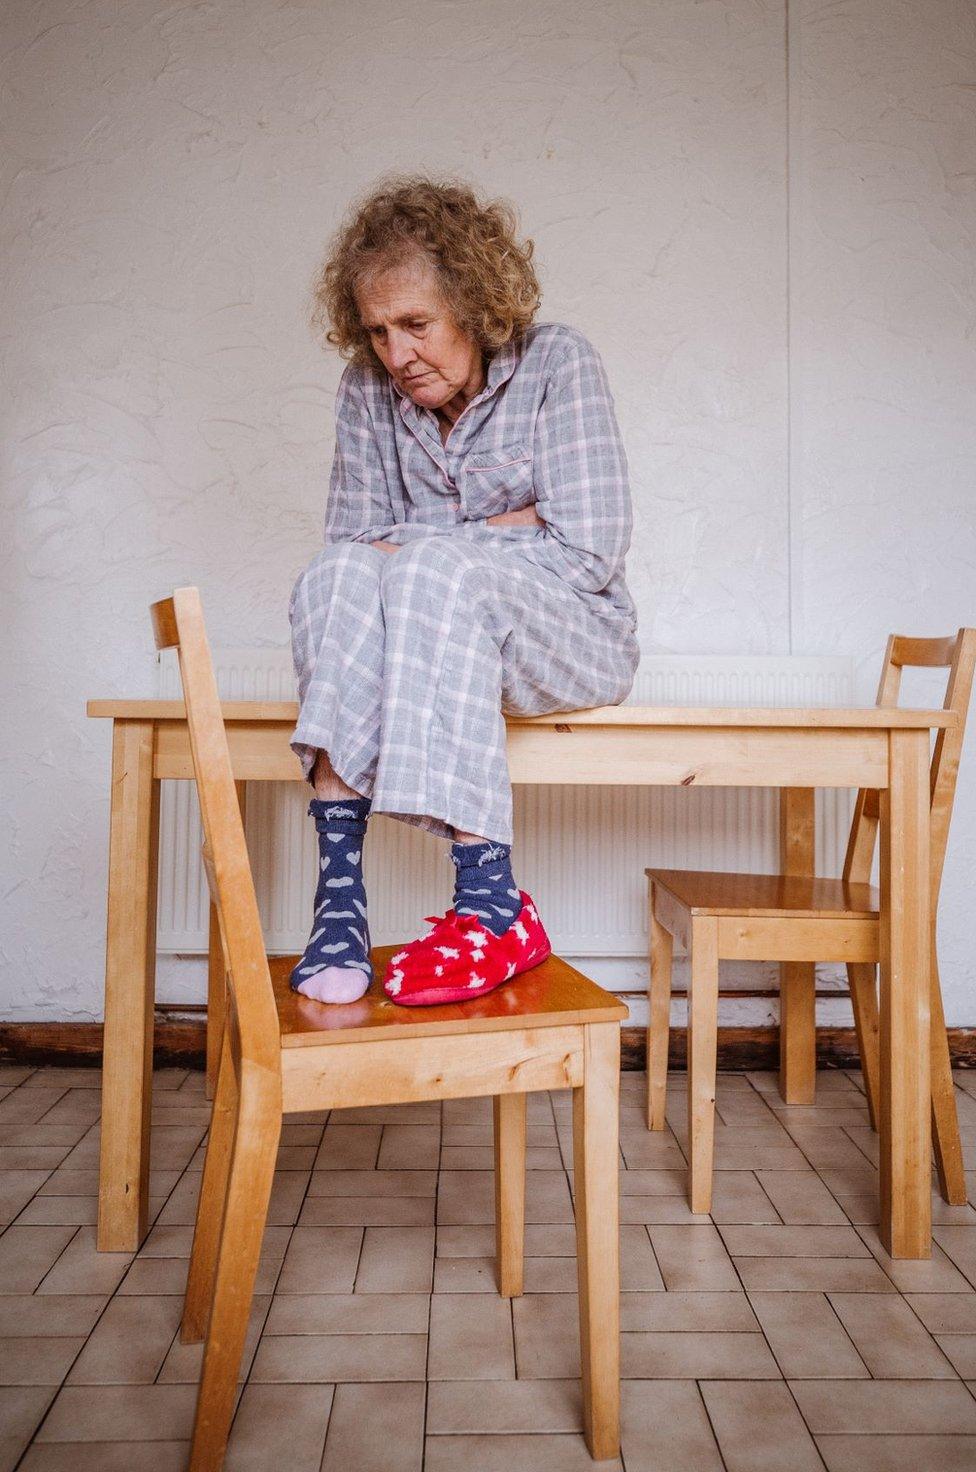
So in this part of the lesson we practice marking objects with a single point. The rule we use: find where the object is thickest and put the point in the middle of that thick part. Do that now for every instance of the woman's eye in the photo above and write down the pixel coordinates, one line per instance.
(417, 326)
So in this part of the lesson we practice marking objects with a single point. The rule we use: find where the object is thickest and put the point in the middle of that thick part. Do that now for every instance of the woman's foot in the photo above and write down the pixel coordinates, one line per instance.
(461, 959)
(336, 966)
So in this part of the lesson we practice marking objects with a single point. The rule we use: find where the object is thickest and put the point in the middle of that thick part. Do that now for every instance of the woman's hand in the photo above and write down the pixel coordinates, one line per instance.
(528, 516)
(386, 546)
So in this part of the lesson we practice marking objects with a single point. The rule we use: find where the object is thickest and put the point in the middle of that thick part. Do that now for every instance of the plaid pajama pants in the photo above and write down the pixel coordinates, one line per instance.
(408, 661)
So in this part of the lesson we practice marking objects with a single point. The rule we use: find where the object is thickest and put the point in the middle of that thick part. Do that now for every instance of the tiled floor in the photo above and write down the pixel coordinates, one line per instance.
(774, 1337)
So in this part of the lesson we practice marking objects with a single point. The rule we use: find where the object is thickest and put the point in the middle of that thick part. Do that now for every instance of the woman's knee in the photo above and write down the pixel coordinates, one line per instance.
(436, 565)
(354, 566)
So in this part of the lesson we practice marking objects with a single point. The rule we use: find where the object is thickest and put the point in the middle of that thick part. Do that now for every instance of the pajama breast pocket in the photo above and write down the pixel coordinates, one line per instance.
(498, 480)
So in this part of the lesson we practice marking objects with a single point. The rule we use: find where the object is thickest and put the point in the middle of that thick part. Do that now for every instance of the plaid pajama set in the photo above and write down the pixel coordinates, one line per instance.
(407, 662)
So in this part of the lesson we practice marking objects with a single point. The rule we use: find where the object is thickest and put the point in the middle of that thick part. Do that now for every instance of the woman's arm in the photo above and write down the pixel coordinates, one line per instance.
(580, 472)
(359, 507)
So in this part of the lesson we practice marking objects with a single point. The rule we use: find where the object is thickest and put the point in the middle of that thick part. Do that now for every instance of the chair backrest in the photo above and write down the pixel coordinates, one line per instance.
(178, 622)
(957, 654)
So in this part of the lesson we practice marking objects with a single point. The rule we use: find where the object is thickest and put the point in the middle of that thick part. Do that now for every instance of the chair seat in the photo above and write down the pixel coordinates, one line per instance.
(553, 994)
(766, 895)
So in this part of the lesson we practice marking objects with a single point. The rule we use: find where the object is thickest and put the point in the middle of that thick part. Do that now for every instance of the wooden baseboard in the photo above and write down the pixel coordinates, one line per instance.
(182, 1044)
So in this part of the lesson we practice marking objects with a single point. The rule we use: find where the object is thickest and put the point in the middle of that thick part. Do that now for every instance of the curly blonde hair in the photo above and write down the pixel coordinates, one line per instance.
(486, 273)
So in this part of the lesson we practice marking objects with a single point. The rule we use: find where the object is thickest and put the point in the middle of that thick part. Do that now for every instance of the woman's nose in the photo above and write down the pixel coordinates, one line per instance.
(400, 351)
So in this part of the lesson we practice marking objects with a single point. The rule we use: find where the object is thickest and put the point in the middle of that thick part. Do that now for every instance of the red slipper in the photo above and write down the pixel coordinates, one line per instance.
(460, 959)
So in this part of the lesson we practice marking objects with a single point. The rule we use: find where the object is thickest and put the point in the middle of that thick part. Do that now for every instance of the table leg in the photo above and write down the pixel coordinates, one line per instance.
(797, 979)
(904, 1124)
(130, 973)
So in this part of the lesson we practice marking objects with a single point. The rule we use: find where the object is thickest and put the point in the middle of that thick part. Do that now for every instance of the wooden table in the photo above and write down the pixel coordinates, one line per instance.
(793, 749)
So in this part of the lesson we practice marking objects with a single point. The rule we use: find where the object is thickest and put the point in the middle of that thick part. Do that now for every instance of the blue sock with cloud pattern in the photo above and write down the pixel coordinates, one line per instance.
(336, 966)
(484, 885)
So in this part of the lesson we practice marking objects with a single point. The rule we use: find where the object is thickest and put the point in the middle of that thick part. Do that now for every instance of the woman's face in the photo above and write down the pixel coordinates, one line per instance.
(415, 337)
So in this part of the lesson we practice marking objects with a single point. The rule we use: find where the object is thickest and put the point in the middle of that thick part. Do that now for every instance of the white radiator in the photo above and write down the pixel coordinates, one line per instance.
(581, 852)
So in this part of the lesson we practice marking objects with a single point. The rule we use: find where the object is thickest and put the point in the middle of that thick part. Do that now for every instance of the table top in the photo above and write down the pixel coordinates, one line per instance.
(872, 717)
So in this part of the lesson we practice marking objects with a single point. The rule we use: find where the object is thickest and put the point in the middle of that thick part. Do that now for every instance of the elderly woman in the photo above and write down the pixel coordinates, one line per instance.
(477, 523)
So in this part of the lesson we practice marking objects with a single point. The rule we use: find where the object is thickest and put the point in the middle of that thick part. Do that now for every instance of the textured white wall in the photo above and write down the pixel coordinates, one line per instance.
(765, 224)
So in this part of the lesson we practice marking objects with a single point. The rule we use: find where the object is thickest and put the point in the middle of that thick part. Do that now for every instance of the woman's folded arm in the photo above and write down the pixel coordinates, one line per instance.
(580, 473)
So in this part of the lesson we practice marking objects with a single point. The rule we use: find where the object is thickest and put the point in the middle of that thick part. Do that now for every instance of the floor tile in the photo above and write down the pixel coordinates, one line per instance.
(272, 1417)
(376, 1428)
(410, 1147)
(945, 1313)
(38, 1360)
(349, 1313)
(696, 1356)
(120, 1413)
(22, 1408)
(107, 1456)
(321, 1260)
(546, 1336)
(511, 1407)
(694, 1258)
(48, 1314)
(396, 1260)
(81, 1268)
(793, 1242)
(327, 1358)
(812, 1275)
(882, 1407)
(130, 1342)
(759, 1428)
(889, 1337)
(511, 1454)
(897, 1453)
(807, 1337)
(27, 1255)
(663, 1312)
(664, 1426)
(470, 1338)
(801, 1198)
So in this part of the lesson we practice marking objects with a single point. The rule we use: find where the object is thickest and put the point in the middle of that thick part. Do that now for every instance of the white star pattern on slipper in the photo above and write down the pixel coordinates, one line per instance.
(400, 956)
(520, 931)
(448, 953)
(475, 981)
(478, 937)
(394, 983)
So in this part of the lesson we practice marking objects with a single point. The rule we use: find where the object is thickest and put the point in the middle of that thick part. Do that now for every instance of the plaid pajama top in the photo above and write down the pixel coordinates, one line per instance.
(542, 431)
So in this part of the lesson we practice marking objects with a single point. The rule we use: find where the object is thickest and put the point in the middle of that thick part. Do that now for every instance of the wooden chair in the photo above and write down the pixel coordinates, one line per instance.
(801, 919)
(281, 1053)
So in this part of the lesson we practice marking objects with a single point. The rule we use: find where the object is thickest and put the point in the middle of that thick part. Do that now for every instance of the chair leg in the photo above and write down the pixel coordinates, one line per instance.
(509, 1120)
(862, 981)
(945, 1118)
(659, 1020)
(797, 1033)
(596, 1189)
(210, 1205)
(702, 1054)
(248, 1193)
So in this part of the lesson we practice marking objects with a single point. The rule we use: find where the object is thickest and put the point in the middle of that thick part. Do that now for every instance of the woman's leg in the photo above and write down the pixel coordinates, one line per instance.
(337, 641)
(473, 631)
